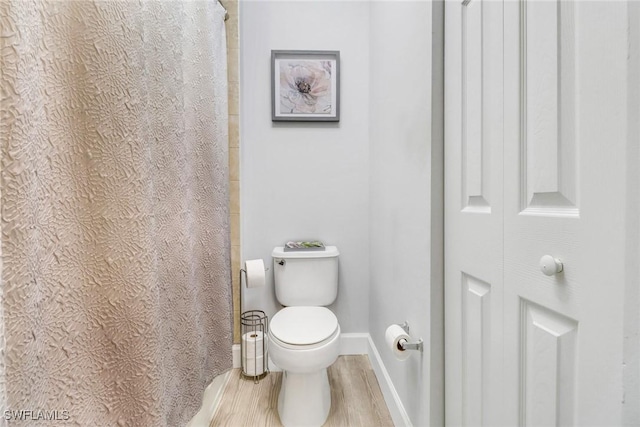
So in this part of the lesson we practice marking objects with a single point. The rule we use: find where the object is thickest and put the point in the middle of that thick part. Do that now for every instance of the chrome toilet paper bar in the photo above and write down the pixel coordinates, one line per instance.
(414, 345)
(242, 270)
(409, 345)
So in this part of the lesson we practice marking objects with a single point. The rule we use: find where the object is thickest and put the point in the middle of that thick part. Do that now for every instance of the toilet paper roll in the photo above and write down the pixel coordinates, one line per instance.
(253, 367)
(254, 345)
(393, 336)
(255, 273)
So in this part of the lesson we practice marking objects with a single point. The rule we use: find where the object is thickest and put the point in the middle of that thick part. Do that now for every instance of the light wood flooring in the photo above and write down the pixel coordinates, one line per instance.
(356, 399)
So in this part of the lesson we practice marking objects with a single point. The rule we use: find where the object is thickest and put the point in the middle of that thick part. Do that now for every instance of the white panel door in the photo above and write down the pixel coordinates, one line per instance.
(535, 165)
(565, 195)
(474, 212)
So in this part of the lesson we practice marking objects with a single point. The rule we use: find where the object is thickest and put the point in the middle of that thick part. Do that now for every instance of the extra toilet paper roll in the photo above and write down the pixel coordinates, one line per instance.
(255, 273)
(393, 336)
(254, 367)
(254, 344)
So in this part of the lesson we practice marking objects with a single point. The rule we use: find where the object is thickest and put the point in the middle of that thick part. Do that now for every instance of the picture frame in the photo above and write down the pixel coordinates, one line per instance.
(305, 85)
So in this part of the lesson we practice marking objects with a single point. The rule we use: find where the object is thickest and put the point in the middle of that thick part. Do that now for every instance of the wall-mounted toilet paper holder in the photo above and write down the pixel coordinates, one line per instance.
(409, 345)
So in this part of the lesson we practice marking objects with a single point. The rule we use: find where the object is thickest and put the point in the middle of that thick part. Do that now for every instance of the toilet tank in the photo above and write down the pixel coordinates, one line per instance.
(306, 278)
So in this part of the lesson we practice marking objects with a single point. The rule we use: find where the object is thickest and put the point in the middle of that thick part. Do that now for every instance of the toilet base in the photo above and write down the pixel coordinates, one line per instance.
(304, 399)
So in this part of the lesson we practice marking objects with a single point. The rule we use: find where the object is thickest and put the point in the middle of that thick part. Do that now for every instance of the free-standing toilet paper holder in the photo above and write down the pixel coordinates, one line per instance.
(409, 345)
(254, 352)
(254, 324)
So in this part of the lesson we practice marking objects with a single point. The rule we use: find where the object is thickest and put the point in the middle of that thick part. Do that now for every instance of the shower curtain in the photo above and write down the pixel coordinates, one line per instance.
(115, 275)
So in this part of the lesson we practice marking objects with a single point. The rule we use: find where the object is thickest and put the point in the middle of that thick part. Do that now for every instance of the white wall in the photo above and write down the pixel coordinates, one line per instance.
(305, 180)
(406, 255)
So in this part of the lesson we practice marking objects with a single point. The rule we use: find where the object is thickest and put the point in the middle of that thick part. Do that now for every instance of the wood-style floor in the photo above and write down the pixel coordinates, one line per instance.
(356, 399)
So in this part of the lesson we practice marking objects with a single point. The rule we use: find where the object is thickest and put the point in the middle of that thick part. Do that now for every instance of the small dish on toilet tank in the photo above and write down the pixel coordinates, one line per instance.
(307, 245)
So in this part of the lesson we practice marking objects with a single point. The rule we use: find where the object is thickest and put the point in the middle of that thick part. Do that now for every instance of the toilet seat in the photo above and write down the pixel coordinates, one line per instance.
(303, 327)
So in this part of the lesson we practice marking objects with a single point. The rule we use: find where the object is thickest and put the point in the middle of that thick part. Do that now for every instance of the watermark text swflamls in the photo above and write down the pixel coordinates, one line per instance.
(36, 415)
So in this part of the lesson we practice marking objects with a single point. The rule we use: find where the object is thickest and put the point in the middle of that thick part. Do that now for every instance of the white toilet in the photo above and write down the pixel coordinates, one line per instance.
(304, 337)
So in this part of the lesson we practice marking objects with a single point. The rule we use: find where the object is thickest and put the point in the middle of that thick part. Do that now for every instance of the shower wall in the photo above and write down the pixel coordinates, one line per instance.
(234, 162)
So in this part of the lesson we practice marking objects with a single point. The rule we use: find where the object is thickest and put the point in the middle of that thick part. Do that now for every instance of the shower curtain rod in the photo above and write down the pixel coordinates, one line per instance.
(226, 14)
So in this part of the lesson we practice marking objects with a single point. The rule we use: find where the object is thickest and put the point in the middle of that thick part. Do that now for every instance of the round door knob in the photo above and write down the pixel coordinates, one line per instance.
(550, 265)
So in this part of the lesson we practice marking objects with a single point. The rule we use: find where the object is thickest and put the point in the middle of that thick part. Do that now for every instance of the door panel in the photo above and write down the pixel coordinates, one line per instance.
(547, 109)
(475, 152)
(476, 347)
(473, 199)
(563, 196)
(548, 348)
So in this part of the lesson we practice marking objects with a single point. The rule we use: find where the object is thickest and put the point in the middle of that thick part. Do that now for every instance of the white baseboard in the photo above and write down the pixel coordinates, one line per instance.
(210, 400)
(350, 344)
(396, 408)
(354, 343)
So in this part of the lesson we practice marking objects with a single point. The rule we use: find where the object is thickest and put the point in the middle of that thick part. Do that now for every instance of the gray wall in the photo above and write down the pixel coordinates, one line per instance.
(305, 180)
(406, 239)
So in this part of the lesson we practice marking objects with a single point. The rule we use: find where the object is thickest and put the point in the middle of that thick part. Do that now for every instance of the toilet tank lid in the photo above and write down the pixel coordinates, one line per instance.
(329, 251)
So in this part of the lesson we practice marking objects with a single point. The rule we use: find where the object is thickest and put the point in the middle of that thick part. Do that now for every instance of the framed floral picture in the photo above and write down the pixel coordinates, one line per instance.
(305, 85)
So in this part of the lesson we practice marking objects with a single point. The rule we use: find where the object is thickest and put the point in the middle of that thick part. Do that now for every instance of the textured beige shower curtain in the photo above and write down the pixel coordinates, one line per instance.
(115, 274)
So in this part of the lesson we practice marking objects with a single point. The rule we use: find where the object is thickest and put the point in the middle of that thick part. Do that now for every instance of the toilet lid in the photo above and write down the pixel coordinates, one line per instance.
(303, 325)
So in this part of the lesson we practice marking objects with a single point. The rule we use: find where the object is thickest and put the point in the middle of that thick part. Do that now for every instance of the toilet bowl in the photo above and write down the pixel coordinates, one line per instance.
(304, 342)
